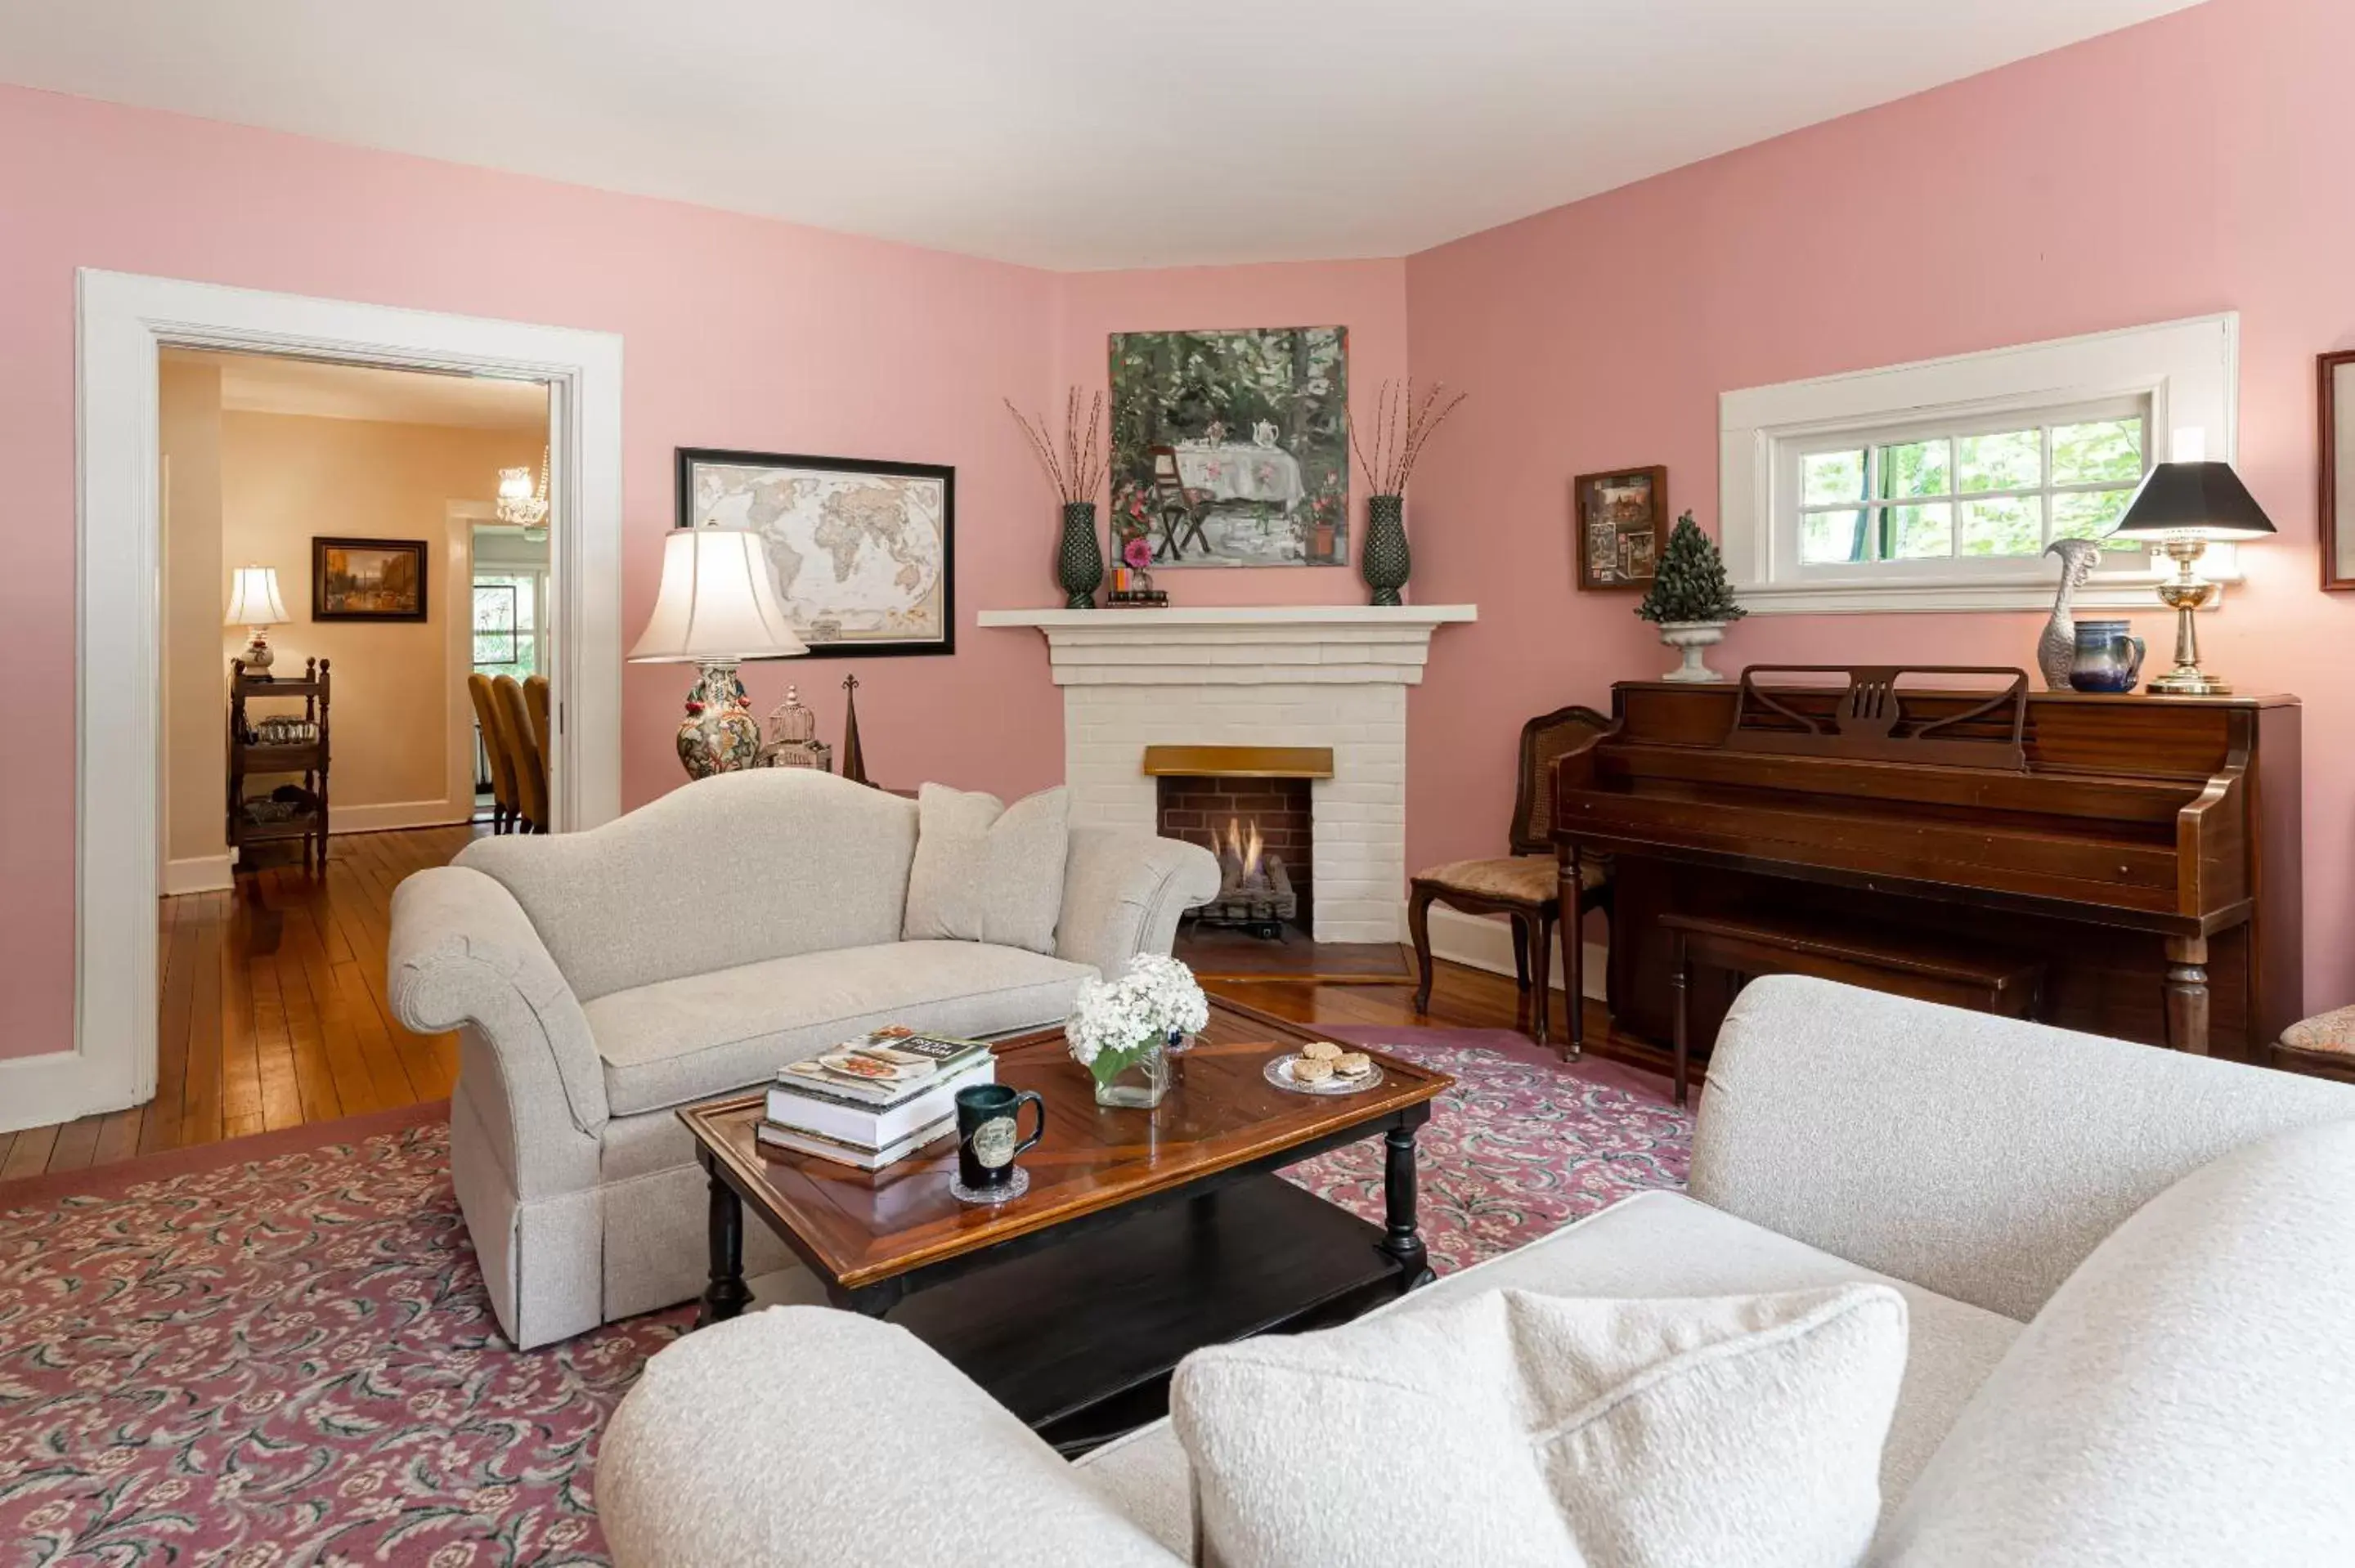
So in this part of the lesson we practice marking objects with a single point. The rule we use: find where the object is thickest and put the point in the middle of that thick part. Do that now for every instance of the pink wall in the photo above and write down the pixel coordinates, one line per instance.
(739, 331)
(2192, 164)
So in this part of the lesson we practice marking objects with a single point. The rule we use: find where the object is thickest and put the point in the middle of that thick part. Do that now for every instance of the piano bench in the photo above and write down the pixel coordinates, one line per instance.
(1923, 966)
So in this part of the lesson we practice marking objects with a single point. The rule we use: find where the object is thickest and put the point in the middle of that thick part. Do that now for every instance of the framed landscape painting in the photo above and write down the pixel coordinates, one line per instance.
(860, 553)
(1231, 448)
(368, 579)
(1622, 524)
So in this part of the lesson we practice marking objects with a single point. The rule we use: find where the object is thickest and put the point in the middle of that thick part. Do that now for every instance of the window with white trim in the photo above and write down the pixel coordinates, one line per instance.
(1941, 485)
(2001, 486)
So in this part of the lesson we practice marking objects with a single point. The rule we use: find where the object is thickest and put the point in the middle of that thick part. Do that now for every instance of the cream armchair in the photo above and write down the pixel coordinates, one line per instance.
(600, 980)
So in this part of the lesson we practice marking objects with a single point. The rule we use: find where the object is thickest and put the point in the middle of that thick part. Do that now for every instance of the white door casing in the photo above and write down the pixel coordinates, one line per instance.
(123, 322)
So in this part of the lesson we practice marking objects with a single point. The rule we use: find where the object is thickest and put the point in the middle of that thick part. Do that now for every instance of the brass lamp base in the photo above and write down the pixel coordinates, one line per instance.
(2184, 594)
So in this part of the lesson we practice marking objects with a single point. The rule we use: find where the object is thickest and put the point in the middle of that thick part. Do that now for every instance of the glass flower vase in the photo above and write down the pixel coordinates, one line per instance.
(1139, 1080)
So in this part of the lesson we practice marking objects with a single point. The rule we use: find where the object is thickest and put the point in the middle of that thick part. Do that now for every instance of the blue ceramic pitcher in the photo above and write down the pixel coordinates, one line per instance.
(2108, 657)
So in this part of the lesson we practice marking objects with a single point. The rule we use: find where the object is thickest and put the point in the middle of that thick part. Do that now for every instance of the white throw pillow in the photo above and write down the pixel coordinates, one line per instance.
(985, 870)
(1519, 1429)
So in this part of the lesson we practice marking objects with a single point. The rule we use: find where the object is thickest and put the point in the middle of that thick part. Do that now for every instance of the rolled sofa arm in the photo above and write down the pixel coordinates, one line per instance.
(1122, 892)
(463, 952)
(805, 1437)
(1981, 1157)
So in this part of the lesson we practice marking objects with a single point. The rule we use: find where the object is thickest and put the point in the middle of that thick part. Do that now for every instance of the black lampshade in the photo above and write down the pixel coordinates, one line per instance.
(2203, 498)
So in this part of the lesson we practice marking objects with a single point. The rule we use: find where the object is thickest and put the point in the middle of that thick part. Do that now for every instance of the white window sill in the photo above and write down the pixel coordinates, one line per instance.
(1831, 599)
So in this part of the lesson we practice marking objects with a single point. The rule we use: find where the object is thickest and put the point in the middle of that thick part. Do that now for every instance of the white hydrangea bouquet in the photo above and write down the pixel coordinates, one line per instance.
(1119, 1024)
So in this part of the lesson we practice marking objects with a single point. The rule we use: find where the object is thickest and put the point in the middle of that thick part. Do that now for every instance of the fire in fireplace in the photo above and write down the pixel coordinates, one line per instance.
(1260, 829)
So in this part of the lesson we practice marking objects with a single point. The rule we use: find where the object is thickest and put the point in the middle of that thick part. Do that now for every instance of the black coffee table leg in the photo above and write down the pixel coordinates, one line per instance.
(727, 1295)
(1397, 1191)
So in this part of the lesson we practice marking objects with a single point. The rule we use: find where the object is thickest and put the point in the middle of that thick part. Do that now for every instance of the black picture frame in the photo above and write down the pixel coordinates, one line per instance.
(822, 646)
(323, 599)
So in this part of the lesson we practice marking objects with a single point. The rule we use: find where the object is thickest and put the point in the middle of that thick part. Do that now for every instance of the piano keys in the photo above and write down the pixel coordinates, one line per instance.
(2145, 848)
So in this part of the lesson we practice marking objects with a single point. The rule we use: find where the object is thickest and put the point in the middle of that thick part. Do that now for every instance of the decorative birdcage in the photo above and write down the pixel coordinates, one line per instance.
(792, 737)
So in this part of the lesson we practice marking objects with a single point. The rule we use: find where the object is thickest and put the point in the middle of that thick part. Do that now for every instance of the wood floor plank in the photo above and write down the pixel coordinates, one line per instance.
(175, 1015)
(240, 1064)
(200, 1115)
(28, 1155)
(119, 1138)
(77, 1143)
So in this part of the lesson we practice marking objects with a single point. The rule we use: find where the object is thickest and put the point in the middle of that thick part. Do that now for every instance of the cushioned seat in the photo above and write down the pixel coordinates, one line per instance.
(2331, 1032)
(1653, 1244)
(683, 1040)
(1530, 878)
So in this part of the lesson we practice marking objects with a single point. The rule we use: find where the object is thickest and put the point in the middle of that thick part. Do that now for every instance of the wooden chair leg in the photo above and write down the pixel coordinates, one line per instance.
(1418, 925)
(1572, 910)
(1542, 963)
(1521, 952)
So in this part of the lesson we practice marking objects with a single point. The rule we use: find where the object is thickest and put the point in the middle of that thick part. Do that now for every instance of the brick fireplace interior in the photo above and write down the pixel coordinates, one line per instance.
(1208, 810)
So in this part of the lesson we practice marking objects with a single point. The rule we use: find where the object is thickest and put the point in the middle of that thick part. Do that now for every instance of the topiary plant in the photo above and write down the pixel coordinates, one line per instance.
(1690, 585)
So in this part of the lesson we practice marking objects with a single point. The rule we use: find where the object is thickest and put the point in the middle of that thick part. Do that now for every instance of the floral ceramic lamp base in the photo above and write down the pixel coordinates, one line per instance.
(720, 735)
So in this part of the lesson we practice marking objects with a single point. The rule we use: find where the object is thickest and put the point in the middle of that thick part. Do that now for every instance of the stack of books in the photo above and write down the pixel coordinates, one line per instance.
(875, 1100)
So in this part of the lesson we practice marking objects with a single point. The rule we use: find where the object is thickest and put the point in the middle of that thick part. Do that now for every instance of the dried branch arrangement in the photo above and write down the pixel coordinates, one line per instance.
(1084, 465)
(1402, 427)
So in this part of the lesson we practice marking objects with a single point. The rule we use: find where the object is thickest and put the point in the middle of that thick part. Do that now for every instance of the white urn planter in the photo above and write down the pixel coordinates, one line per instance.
(1691, 638)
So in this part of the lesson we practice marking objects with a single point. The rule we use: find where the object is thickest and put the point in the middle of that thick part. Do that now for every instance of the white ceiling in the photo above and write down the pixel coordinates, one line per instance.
(1066, 133)
(268, 384)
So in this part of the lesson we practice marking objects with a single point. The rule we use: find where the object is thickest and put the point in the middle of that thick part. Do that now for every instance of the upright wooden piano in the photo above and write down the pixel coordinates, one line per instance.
(2145, 848)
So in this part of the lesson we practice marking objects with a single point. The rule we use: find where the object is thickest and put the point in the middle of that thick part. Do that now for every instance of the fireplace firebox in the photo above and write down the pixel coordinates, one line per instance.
(1261, 829)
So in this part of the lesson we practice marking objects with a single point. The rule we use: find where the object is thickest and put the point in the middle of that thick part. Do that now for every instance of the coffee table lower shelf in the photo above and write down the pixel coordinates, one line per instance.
(1079, 1338)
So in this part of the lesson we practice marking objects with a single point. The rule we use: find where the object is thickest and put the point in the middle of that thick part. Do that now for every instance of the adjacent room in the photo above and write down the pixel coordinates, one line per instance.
(1328, 783)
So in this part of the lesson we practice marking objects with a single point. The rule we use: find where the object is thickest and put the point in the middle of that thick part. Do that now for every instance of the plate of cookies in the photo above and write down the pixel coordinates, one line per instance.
(1321, 1067)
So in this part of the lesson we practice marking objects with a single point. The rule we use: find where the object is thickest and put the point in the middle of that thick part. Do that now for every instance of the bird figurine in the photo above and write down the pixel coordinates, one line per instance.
(2056, 651)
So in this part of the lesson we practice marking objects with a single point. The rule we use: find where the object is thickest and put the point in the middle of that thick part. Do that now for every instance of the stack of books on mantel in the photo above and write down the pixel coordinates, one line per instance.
(875, 1100)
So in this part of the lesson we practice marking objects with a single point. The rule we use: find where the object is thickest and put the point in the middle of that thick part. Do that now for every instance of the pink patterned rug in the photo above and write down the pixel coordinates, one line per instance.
(289, 1360)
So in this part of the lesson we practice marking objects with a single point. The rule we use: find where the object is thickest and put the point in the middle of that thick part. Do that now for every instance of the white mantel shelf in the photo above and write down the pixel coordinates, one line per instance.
(1234, 615)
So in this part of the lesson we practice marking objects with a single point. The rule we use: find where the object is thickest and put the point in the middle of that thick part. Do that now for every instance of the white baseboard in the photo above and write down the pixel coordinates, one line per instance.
(60, 1085)
(396, 815)
(1485, 943)
(197, 873)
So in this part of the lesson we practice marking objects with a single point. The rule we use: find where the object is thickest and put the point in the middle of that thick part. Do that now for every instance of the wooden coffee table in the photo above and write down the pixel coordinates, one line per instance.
(1144, 1234)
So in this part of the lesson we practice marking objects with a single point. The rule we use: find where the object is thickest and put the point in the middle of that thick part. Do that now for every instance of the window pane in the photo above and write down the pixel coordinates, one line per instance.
(2088, 454)
(2013, 461)
(1918, 532)
(1830, 538)
(2008, 527)
(1832, 476)
(2090, 515)
(1917, 468)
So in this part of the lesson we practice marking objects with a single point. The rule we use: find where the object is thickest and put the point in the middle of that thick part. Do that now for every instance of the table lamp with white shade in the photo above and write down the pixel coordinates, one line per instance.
(254, 604)
(2181, 507)
(715, 608)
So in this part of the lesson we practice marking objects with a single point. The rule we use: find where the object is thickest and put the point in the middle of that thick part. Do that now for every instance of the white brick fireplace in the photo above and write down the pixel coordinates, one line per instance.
(1305, 675)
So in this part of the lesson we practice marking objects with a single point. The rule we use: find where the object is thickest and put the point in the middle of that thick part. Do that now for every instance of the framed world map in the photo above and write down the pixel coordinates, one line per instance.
(860, 553)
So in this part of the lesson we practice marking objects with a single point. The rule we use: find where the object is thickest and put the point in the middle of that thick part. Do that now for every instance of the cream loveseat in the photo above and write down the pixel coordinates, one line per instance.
(2085, 1384)
(602, 979)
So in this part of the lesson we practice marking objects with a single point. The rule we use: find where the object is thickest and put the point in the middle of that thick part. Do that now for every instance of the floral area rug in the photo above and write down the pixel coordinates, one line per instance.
(291, 1360)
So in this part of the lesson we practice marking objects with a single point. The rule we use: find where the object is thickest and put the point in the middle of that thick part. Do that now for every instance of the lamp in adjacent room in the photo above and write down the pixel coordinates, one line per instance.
(2182, 507)
(254, 604)
(715, 608)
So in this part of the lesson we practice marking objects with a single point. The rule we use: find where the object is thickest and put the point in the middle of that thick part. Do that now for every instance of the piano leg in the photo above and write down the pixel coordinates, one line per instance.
(1573, 959)
(2187, 995)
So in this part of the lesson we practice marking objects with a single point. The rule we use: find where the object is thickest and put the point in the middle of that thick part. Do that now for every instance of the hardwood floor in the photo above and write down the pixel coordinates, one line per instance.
(272, 1012)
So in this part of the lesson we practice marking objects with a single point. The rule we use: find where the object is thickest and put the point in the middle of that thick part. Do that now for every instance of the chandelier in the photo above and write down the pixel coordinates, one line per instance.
(519, 503)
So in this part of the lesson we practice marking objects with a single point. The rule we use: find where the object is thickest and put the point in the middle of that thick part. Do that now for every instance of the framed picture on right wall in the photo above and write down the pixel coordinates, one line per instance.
(1621, 519)
(2335, 377)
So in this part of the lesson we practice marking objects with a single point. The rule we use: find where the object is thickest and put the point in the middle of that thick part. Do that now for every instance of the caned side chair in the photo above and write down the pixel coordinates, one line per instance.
(1523, 884)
